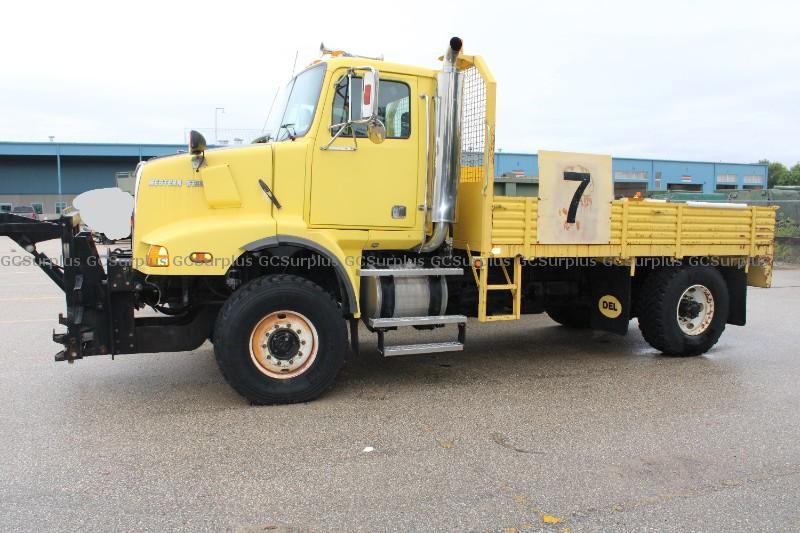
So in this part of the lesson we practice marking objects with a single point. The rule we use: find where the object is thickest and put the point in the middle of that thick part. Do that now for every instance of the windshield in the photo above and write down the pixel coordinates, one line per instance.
(294, 107)
(23, 209)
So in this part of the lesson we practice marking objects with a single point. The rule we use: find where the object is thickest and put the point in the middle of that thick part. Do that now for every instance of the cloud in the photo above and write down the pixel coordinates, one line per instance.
(704, 80)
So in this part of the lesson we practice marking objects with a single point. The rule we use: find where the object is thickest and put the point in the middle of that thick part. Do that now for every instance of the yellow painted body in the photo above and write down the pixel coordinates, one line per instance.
(342, 200)
(641, 228)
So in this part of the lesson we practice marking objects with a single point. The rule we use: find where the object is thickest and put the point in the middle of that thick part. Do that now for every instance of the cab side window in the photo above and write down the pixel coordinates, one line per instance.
(394, 110)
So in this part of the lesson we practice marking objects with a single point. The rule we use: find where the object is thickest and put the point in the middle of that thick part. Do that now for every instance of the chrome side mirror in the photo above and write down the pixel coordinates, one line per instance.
(376, 131)
(369, 95)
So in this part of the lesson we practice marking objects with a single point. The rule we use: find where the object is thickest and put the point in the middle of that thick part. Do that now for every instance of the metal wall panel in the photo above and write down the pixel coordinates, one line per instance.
(659, 173)
(28, 175)
(80, 174)
(512, 162)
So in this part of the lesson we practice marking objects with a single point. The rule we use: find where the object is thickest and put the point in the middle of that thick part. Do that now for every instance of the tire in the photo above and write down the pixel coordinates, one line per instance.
(571, 316)
(659, 301)
(266, 321)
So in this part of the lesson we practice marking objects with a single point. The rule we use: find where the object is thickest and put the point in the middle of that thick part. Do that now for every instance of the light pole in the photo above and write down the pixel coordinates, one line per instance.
(216, 110)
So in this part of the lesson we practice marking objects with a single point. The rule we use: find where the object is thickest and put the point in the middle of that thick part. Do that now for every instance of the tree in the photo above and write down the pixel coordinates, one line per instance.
(794, 176)
(777, 173)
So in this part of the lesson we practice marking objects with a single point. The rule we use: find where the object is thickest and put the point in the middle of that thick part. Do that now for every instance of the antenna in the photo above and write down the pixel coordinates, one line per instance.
(294, 65)
(277, 90)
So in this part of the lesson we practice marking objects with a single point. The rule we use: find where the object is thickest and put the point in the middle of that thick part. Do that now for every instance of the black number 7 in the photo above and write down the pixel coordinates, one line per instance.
(584, 178)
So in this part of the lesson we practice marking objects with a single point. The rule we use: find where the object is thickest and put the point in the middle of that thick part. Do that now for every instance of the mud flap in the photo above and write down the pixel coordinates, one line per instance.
(611, 298)
(736, 280)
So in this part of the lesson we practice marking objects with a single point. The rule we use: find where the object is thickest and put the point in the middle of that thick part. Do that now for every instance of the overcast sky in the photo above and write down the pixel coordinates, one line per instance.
(678, 80)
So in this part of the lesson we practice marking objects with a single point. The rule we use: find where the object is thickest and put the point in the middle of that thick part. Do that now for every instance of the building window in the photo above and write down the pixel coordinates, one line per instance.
(5, 208)
(38, 207)
(631, 175)
(754, 180)
(629, 189)
(685, 187)
(727, 178)
(60, 206)
(725, 186)
(686, 178)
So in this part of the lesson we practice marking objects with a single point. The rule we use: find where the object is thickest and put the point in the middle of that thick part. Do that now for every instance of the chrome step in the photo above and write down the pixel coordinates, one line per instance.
(400, 322)
(429, 347)
(409, 272)
(382, 325)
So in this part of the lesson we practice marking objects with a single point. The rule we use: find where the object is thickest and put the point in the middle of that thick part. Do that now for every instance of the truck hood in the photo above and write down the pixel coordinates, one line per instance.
(178, 206)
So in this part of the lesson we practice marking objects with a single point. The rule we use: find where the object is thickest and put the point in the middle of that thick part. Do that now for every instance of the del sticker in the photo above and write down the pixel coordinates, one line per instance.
(610, 306)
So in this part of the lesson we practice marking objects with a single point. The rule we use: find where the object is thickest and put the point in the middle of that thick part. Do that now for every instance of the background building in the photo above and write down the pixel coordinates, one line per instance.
(49, 175)
(641, 175)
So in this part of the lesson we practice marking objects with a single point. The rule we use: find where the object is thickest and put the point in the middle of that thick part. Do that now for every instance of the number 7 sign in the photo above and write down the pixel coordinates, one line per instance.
(584, 178)
(575, 195)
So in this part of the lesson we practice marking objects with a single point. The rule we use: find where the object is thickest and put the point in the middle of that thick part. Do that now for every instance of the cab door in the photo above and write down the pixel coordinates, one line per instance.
(373, 185)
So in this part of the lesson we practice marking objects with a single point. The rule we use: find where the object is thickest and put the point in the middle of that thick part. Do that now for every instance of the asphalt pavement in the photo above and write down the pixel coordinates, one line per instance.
(532, 427)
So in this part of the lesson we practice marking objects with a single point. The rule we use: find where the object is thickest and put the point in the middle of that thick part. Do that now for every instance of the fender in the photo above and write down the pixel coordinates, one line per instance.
(341, 273)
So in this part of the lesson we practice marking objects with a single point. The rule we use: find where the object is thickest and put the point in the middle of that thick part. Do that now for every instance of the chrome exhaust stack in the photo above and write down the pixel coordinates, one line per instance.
(447, 155)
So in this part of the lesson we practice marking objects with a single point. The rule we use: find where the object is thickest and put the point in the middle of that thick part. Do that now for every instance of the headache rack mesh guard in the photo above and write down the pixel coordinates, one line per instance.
(473, 127)
(476, 180)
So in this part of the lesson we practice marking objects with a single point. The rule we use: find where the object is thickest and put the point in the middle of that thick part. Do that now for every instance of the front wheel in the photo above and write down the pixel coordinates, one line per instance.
(280, 339)
(683, 311)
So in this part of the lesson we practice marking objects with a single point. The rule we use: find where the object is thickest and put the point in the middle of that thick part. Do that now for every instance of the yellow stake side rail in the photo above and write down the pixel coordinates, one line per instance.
(639, 228)
(642, 229)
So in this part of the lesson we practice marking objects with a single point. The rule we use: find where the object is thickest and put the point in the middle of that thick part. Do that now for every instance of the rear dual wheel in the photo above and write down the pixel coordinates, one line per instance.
(280, 339)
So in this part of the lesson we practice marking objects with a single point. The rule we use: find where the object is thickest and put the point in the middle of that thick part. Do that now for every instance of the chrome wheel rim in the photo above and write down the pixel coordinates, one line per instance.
(695, 310)
(284, 344)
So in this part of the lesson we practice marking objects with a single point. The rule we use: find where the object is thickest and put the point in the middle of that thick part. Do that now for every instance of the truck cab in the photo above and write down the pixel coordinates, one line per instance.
(334, 186)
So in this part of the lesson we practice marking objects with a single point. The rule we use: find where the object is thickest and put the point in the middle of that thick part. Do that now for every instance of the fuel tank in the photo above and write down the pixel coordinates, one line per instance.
(395, 297)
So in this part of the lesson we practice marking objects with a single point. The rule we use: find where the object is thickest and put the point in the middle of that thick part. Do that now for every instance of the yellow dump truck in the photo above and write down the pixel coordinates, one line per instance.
(371, 199)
